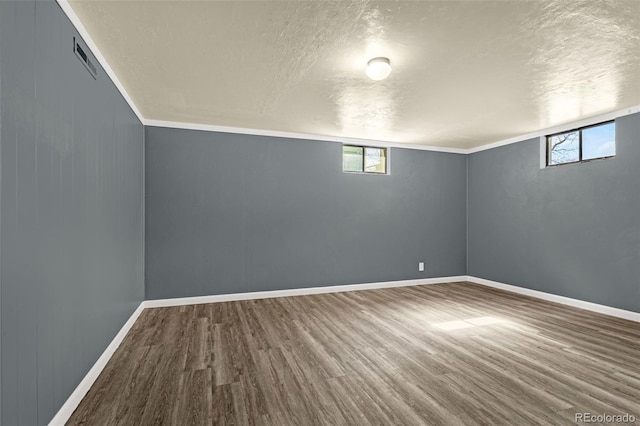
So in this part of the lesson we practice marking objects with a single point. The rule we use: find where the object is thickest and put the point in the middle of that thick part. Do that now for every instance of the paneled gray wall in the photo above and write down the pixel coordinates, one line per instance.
(71, 235)
(235, 213)
(571, 230)
(230, 213)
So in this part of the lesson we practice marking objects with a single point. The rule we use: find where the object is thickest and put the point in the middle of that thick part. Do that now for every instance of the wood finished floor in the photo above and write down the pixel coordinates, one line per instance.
(446, 354)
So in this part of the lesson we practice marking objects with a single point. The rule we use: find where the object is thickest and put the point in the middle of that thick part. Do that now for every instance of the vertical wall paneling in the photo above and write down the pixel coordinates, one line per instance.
(71, 210)
(229, 213)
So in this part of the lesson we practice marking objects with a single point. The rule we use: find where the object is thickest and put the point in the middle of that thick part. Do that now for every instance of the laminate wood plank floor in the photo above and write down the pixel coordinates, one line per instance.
(445, 354)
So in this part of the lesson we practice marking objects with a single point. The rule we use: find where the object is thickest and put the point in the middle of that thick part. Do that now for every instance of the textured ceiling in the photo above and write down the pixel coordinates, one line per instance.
(464, 73)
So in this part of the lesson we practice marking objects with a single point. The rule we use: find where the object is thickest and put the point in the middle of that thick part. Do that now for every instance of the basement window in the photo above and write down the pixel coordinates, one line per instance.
(582, 144)
(364, 159)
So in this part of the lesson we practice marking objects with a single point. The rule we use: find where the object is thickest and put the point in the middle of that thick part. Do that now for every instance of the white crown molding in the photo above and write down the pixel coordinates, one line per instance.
(65, 412)
(560, 128)
(75, 20)
(295, 135)
(576, 303)
(278, 134)
(296, 292)
(68, 10)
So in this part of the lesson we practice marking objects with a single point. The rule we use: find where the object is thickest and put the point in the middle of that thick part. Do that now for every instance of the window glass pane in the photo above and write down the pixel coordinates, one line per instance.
(375, 160)
(564, 148)
(352, 158)
(599, 141)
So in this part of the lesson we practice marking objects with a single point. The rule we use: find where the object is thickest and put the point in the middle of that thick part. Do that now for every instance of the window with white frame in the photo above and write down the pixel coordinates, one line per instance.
(582, 144)
(364, 159)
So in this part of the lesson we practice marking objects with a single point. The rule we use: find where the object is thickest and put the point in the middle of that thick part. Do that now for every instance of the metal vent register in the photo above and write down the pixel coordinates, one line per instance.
(80, 51)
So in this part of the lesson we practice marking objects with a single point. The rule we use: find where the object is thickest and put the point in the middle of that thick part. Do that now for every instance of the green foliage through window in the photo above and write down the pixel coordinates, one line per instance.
(364, 159)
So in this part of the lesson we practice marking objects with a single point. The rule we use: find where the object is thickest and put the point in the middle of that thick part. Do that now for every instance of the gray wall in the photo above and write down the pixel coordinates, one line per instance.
(71, 235)
(236, 213)
(571, 230)
(230, 213)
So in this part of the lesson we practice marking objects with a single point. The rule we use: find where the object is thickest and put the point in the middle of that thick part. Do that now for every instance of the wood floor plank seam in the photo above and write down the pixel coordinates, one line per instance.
(439, 354)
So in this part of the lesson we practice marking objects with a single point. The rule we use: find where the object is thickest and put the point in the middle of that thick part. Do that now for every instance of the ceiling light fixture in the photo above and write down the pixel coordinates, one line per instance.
(378, 68)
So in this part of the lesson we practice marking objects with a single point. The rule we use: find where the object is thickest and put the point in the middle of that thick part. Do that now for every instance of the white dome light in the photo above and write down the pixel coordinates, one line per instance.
(378, 68)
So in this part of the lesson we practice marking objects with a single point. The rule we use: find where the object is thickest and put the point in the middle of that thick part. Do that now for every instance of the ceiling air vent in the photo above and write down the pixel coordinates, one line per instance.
(80, 52)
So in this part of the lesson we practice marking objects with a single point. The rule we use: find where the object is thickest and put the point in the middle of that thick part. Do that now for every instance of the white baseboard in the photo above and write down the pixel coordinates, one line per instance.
(296, 292)
(576, 303)
(74, 399)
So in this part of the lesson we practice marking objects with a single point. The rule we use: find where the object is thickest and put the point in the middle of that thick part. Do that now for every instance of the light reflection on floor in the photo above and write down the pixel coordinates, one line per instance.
(469, 322)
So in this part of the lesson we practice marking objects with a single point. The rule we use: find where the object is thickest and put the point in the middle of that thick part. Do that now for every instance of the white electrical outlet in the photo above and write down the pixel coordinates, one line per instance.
(421, 266)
